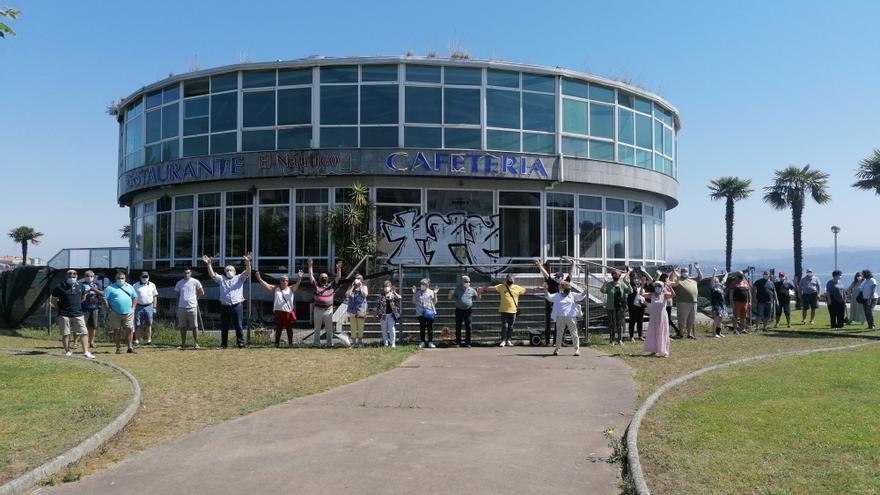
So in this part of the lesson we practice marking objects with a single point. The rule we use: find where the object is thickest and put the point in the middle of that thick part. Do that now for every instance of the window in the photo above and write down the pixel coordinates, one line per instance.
(423, 73)
(296, 138)
(422, 137)
(503, 78)
(183, 235)
(378, 104)
(389, 203)
(239, 223)
(294, 77)
(462, 138)
(224, 82)
(626, 154)
(384, 72)
(462, 106)
(258, 79)
(502, 140)
(575, 147)
(223, 143)
(560, 200)
(470, 202)
(535, 82)
(195, 116)
(634, 229)
(612, 204)
(539, 143)
(378, 137)
(339, 104)
(644, 131)
(650, 239)
(560, 225)
(502, 108)
(601, 120)
(574, 116)
(258, 140)
(539, 112)
(590, 202)
(601, 150)
(463, 76)
(339, 137)
(294, 106)
(590, 236)
(224, 112)
(311, 226)
(615, 235)
(625, 126)
(573, 87)
(195, 146)
(601, 93)
(274, 223)
(520, 217)
(339, 74)
(258, 109)
(423, 105)
(195, 87)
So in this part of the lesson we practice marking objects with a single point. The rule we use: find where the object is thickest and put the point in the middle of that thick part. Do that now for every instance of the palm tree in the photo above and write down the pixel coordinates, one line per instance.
(125, 232)
(868, 174)
(25, 235)
(789, 190)
(730, 189)
(350, 227)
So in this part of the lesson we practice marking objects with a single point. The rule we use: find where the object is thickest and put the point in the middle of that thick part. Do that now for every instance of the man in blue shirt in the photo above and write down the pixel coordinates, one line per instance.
(120, 298)
(464, 296)
(91, 306)
(231, 298)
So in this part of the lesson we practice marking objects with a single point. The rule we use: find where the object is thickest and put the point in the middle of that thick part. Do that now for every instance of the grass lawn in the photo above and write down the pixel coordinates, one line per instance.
(794, 425)
(48, 405)
(187, 390)
(717, 433)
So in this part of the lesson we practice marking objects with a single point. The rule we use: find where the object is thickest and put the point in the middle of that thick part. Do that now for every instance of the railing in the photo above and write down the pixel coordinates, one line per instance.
(82, 258)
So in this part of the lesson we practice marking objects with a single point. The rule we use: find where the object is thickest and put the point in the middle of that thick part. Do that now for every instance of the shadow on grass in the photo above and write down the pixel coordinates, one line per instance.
(823, 334)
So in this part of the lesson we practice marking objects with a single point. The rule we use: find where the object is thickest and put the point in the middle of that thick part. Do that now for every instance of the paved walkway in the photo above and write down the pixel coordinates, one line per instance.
(482, 420)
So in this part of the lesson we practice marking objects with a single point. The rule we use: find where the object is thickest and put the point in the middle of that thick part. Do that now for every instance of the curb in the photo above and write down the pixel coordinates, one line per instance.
(25, 482)
(632, 434)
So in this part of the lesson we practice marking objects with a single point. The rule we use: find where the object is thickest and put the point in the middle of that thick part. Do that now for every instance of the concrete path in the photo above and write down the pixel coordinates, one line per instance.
(482, 420)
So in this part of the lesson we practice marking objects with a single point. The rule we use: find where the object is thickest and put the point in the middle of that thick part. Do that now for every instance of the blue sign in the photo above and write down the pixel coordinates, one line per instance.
(179, 171)
(467, 163)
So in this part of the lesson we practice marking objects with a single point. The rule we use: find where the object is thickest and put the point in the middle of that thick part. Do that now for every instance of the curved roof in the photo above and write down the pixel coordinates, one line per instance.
(322, 61)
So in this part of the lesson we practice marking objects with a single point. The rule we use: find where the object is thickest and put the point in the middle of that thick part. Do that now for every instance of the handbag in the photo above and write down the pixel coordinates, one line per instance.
(428, 314)
(361, 312)
(860, 298)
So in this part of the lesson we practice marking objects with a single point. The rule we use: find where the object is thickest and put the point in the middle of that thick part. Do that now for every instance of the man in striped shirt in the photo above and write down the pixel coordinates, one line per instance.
(322, 311)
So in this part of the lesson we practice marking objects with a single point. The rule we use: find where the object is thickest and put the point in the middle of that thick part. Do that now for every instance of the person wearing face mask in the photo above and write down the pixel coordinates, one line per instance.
(869, 296)
(283, 308)
(616, 291)
(68, 297)
(189, 290)
(785, 290)
(388, 314)
(551, 282)
(657, 336)
(91, 305)
(356, 296)
(836, 294)
(765, 299)
(640, 282)
(463, 295)
(322, 312)
(147, 304)
(424, 303)
(686, 295)
(811, 290)
(565, 305)
(508, 305)
(120, 299)
(231, 298)
(856, 310)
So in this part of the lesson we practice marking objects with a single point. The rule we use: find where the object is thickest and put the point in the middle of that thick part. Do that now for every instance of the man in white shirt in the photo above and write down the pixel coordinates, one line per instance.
(188, 292)
(231, 298)
(147, 301)
(564, 313)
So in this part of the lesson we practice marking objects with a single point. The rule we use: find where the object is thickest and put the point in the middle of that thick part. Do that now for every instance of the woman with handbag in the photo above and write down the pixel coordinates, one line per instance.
(856, 308)
(388, 314)
(283, 308)
(424, 301)
(356, 296)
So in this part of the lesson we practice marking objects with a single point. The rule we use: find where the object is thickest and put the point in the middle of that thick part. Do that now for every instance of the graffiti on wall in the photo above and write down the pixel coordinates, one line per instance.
(443, 239)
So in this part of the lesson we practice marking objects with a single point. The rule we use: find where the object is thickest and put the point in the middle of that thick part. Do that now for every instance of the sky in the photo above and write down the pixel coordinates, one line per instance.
(759, 85)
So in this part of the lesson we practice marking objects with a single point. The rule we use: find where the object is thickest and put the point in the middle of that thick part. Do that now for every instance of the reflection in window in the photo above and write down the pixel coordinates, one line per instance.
(635, 236)
(209, 233)
(163, 236)
(379, 104)
(520, 232)
(574, 116)
(502, 108)
(644, 130)
(560, 232)
(470, 202)
(183, 234)
(615, 233)
(239, 225)
(601, 120)
(274, 231)
(339, 104)
(423, 105)
(539, 112)
(462, 106)
(149, 235)
(258, 109)
(422, 137)
(590, 223)
(311, 231)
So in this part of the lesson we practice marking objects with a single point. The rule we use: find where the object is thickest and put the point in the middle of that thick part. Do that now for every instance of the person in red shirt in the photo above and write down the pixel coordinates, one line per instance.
(742, 301)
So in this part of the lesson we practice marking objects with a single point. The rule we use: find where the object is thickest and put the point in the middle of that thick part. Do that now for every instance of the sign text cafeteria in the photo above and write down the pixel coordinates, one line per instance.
(474, 163)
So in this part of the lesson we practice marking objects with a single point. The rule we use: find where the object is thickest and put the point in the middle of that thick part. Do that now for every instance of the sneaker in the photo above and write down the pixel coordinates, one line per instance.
(149, 342)
(691, 337)
(68, 353)
(721, 335)
(556, 352)
(619, 342)
(717, 335)
(89, 355)
(509, 343)
(577, 352)
(665, 354)
(503, 343)
(422, 345)
(812, 322)
(119, 350)
(393, 345)
(789, 325)
(131, 350)
(180, 348)
(431, 345)
(137, 342)
(197, 347)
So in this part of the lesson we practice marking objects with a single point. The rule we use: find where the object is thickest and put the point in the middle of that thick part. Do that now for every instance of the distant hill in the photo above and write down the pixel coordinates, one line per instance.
(820, 259)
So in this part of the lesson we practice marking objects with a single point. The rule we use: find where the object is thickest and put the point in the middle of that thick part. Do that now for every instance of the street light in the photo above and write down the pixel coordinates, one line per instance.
(836, 230)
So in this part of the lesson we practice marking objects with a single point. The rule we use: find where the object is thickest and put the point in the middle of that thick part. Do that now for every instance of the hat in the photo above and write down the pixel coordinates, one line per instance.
(781, 274)
(284, 277)
(809, 270)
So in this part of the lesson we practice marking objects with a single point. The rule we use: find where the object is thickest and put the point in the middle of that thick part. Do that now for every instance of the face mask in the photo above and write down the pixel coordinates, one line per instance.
(684, 274)
(466, 285)
(323, 281)
(230, 274)
(509, 282)
(637, 281)
(71, 280)
(357, 282)
(566, 291)
(145, 279)
(89, 279)
(387, 289)
(423, 287)
(658, 289)
(120, 282)
(187, 275)
(615, 279)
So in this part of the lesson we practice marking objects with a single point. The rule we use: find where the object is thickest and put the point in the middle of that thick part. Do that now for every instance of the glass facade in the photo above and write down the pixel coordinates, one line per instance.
(284, 227)
(391, 105)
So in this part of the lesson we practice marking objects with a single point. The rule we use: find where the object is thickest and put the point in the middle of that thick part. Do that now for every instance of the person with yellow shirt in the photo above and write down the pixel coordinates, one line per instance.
(508, 305)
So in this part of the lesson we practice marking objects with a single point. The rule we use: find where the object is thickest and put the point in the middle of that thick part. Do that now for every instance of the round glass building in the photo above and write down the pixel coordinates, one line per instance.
(467, 162)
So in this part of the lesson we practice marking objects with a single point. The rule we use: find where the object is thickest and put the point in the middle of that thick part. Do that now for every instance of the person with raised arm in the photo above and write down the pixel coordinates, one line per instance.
(388, 313)
(657, 336)
(686, 295)
(508, 305)
(565, 311)
(322, 311)
(551, 282)
(283, 308)
(716, 299)
(616, 291)
(231, 298)
(356, 296)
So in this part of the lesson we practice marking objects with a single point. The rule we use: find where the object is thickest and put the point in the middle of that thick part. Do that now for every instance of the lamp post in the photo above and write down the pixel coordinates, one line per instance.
(835, 230)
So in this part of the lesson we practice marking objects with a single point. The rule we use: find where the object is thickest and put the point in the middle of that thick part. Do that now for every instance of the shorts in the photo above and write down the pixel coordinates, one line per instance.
(284, 320)
(143, 315)
(719, 311)
(783, 308)
(188, 318)
(121, 321)
(68, 324)
(810, 301)
(91, 316)
(763, 310)
(740, 309)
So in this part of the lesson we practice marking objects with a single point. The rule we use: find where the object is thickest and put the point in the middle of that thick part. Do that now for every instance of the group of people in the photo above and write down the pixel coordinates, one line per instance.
(630, 294)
